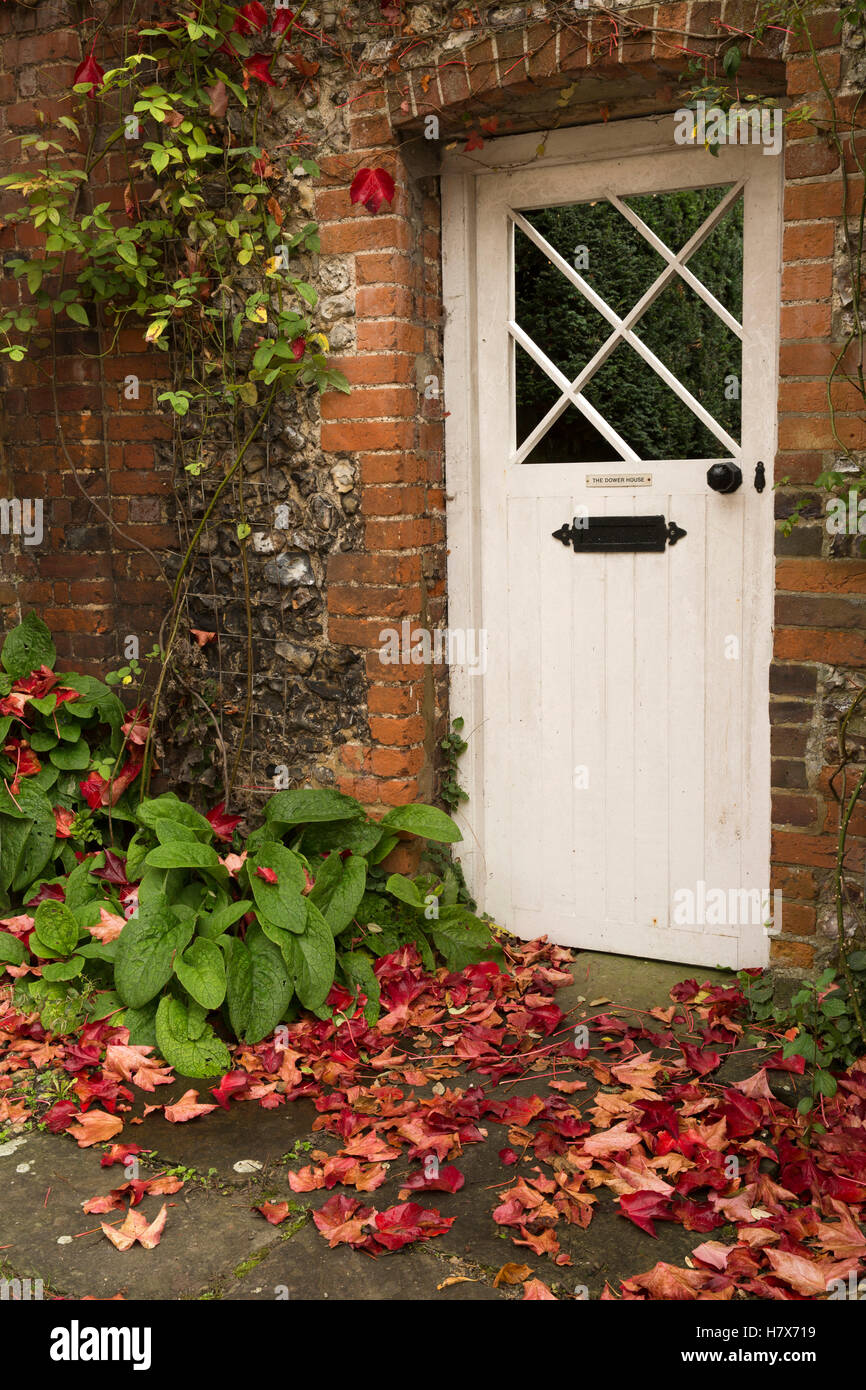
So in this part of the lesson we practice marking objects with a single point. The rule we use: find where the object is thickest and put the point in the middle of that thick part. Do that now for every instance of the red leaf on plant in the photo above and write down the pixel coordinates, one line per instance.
(136, 725)
(372, 187)
(299, 347)
(250, 19)
(89, 71)
(475, 142)
(221, 824)
(282, 20)
(63, 822)
(258, 67)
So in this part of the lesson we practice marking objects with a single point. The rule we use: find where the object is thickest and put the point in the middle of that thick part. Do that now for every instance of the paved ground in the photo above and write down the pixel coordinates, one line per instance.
(216, 1246)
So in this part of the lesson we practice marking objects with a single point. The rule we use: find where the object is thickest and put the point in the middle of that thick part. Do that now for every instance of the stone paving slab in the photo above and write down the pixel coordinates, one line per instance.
(205, 1238)
(303, 1267)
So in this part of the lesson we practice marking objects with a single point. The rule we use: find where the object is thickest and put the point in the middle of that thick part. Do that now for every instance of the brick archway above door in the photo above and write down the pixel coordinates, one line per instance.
(581, 68)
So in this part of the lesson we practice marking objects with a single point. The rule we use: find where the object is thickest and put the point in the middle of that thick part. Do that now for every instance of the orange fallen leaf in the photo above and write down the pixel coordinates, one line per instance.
(96, 1127)
(512, 1274)
(136, 1228)
(187, 1108)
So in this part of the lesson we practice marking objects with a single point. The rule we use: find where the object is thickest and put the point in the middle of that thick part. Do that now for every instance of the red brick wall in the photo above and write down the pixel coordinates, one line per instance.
(91, 583)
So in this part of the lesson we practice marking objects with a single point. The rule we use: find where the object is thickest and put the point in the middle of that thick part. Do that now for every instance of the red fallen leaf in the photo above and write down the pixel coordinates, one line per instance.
(713, 1253)
(372, 187)
(275, 1212)
(667, 1282)
(258, 67)
(118, 1153)
(535, 1289)
(136, 1228)
(645, 1207)
(742, 1115)
(89, 71)
(407, 1223)
(701, 1062)
(187, 1108)
(508, 1156)
(63, 822)
(123, 1063)
(685, 991)
(96, 1127)
(268, 875)
(221, 824)
(341, 1220)
(201, 636)
(660, 1117)
(545, 1243)
(250, 19)
(448, 1179)
(808, 1277)
(308, 1179)
(282, 20)
(231, 1082)
(60, 1116)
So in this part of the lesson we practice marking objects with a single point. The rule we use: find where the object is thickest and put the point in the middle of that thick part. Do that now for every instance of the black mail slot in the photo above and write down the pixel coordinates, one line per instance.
(619, 533)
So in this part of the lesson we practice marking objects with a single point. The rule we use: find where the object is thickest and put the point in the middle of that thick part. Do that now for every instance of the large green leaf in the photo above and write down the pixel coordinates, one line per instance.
(202, 972)
(462, 939)
(315, 960)
(272, 985)
(56, 927)
(12, 951)
(13, 835)
(213, 924)
(360, 836)
(63, 969)
(427, 821)
(27, 647)
(281, 902)
(403, 888)
(37, 851)
(146, 952)
(170, 807)
(339, 889)
(239, 985)
(71, 757)
(168, 830)
(183, 854)
(311, 804)
(191, 1049)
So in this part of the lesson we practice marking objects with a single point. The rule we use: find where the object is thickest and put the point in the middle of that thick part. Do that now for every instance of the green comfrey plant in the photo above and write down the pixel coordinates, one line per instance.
(62, 741)
(825, 1017)
(256, 935)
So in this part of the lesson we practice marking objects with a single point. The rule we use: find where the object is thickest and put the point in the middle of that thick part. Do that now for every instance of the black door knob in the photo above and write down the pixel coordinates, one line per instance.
(724, 477)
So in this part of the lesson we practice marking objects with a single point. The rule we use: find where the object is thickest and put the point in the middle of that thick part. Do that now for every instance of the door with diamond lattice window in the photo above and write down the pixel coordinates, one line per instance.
(615, 320)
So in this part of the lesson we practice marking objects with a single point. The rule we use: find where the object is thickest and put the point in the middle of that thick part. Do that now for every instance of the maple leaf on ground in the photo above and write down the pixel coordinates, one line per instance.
(611, 1141)
(136, 1228)
(341, 1220)
(713, 1253)
(232, 1082)
(372, 187)
(187, 1108)
(448, 1179)
(645, 1207)
(136, 1065)
(535, 1290)
(809, 1277)
(275, 1212)
(512, 1274)
(844, 1238)
(702, 1062)
(545, 1243)
(668, 1282)
(96, 1127)
(407, 1223)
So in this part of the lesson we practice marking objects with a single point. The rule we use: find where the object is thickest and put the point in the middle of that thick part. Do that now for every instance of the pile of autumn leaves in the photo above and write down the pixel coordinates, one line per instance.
(636, 1112)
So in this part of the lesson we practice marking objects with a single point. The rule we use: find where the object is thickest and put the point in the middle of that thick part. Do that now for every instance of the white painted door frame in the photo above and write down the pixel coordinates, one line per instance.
(593, 152)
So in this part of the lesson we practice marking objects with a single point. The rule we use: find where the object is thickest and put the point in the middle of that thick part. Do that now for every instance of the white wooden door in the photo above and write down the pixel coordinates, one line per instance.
(619, 736)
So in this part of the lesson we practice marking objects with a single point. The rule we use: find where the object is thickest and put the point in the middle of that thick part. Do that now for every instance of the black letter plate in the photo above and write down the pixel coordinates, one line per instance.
(619, 533)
